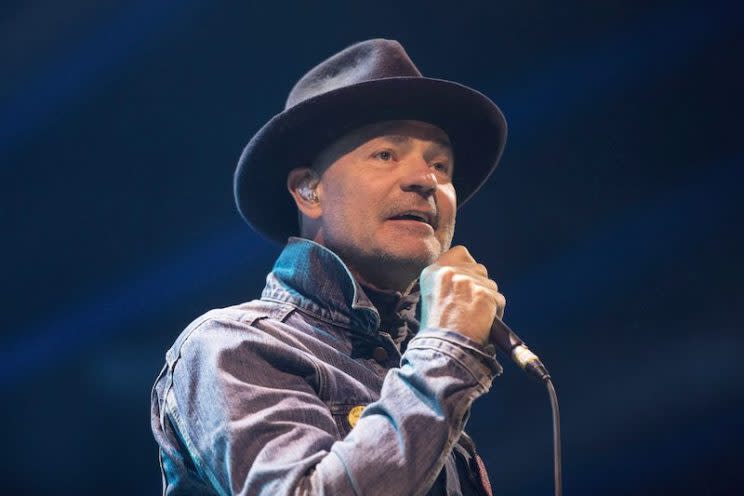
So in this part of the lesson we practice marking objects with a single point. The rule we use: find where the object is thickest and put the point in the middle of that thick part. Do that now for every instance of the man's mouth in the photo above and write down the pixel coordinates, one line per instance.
(416, 215)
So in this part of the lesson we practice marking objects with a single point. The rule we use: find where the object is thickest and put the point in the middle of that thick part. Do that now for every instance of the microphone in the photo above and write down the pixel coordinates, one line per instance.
(512, 346)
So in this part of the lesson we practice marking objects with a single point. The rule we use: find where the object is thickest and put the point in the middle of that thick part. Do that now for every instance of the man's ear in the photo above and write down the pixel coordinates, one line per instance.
(302, 184)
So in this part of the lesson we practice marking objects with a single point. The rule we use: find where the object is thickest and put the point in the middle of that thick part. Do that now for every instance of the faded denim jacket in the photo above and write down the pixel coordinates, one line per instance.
(302, 392)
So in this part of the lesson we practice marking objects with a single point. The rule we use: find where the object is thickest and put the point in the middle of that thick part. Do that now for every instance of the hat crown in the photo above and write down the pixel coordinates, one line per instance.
(363, 61)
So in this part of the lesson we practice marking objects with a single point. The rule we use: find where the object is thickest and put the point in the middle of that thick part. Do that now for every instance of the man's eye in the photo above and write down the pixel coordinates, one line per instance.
(384, 155)
(442, 166)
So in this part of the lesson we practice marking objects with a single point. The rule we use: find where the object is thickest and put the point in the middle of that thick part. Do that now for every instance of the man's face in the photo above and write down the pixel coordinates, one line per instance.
(386, 196)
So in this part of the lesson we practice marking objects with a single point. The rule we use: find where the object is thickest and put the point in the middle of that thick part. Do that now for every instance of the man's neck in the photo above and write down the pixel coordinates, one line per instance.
(401, 287)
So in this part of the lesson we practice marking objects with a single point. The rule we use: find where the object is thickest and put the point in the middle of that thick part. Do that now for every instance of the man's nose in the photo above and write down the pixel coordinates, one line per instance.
(419, 177)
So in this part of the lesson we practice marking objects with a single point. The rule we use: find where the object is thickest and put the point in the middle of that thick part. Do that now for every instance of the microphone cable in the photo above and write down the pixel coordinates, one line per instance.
(557, 463)
(510, 344)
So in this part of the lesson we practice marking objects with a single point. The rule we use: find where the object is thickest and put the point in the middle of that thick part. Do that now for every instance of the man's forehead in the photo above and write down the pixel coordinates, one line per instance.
(405, 129)
(396, 130)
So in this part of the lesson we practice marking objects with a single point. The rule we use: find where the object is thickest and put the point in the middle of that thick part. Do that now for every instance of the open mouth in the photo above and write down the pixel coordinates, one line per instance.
(416, 216)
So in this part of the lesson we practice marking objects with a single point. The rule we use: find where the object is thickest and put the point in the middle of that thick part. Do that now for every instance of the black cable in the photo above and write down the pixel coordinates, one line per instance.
(557, 477)
(510, 344)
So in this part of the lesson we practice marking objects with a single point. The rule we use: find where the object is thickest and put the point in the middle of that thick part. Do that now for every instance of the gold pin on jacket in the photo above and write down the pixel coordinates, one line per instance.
(354, 415)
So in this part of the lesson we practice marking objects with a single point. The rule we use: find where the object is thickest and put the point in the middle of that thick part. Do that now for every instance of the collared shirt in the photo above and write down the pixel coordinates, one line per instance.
(304, 392)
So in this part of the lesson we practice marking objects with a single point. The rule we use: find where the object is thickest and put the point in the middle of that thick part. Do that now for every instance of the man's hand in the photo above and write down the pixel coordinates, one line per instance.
(457, 294)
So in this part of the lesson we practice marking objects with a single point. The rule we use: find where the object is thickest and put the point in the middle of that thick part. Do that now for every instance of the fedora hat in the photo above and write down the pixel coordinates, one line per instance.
(368, 82)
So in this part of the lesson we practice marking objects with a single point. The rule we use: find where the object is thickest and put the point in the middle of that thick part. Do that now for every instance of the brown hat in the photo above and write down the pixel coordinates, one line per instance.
(368, 82)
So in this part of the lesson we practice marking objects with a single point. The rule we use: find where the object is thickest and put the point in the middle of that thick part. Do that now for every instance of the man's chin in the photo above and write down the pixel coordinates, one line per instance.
(419, 254)
(393, 256)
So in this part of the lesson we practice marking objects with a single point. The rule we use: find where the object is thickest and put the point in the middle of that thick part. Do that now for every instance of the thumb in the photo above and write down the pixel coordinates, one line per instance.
(455, 255)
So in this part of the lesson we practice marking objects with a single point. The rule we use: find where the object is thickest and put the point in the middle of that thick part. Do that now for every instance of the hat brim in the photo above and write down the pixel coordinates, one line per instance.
(293, 138)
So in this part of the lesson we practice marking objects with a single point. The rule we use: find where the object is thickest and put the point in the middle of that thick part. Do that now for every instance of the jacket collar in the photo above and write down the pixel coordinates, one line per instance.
(313, 278)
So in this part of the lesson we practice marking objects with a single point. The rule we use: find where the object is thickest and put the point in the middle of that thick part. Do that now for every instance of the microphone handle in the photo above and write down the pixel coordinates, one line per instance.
(512, 346)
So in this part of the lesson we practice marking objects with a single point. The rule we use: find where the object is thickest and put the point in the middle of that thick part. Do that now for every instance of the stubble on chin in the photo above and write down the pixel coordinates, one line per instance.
(384, 268)
(383, 262)
(403, 264)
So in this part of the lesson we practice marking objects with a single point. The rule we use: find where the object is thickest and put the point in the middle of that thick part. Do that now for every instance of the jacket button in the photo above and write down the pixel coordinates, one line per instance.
(380, 354)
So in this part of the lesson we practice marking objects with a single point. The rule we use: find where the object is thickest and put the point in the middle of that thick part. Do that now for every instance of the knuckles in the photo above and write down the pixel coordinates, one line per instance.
(450, 274)
(481, 269)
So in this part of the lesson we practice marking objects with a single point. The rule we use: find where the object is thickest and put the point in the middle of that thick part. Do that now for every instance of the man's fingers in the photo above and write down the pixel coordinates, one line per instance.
(490, 287)
(476, 271)
(500, 305)
(483, 284)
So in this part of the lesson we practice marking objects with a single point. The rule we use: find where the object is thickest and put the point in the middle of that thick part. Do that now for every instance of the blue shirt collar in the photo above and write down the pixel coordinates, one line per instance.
(313, 278)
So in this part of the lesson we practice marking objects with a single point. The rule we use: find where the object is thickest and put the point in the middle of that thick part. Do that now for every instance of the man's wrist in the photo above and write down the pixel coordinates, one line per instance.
(479, 358)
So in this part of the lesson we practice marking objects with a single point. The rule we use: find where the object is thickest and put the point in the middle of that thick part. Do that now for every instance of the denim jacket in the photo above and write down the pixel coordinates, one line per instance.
(302, 392)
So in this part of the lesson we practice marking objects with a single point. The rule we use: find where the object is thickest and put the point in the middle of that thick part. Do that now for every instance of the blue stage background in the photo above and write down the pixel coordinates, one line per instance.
(613, 224)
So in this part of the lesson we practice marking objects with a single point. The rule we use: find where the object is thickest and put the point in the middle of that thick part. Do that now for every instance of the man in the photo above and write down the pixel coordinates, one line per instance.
(329, 384)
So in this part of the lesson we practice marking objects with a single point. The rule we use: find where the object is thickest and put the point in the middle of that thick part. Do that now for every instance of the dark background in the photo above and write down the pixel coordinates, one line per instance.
(613, 224)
